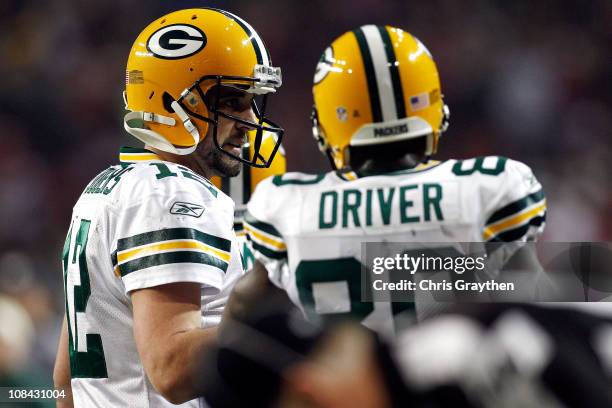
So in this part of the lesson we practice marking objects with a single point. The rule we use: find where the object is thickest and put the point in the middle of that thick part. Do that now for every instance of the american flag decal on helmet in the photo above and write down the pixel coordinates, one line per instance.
(134, 77)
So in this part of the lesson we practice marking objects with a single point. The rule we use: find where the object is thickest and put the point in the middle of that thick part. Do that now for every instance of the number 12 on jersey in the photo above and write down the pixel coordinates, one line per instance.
(86, 351)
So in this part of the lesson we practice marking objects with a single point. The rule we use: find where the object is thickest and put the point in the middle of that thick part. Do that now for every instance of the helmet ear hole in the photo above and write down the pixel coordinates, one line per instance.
(167, 99)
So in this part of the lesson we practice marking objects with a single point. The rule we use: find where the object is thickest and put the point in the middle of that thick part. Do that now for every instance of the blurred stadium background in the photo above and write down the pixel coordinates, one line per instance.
(525, 79)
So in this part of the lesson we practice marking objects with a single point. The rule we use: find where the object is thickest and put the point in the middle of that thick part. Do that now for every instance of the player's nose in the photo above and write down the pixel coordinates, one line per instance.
(247, 115)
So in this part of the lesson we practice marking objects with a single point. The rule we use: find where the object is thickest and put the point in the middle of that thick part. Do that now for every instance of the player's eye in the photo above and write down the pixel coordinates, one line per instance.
(231, 103)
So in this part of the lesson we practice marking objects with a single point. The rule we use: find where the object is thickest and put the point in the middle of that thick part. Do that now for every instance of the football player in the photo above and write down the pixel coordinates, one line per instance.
(151, 253)
(378, 116)
(240, 188)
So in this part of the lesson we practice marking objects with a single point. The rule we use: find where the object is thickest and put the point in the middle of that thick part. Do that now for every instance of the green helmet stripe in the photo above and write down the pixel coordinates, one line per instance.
(256, 40)
(396, 82)
(370, 75)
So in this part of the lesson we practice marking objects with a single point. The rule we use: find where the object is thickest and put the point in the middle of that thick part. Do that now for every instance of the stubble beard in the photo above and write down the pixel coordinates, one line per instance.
(210, 161)
(223, 164)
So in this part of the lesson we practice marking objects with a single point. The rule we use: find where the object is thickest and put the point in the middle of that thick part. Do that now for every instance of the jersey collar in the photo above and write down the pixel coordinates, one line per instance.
(128, 155)
(349, 175)
(418, 168)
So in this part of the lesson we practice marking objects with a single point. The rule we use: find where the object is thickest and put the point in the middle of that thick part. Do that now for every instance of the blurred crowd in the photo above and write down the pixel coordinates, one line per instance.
(523, 79)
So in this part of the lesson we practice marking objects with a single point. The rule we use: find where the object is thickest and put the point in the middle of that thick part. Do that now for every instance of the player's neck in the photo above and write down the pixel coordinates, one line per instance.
(377, 166)
(189, 161)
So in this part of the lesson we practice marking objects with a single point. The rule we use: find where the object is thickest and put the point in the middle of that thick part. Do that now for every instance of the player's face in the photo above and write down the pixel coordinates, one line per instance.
(231, 135)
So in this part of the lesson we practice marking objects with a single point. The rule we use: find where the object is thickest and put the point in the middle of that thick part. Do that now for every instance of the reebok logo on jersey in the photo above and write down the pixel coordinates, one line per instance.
(181, 208)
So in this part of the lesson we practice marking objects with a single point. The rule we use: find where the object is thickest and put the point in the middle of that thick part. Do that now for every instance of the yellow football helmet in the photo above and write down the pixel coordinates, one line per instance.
(240, 188)
(176, 60)
(374, 85)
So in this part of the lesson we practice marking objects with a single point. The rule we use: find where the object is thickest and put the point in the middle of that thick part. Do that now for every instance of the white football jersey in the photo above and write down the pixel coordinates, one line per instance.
(316, 224)
(143, 223)
(246, 249)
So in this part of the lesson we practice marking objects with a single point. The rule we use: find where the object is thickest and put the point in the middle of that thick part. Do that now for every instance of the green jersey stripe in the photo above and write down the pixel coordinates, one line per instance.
(516, 207)
(171, 258)
(396, 83)
(260, 225)
(517, 233)
(270, 253)
(370, 75)
(132, 150)
(172, 234)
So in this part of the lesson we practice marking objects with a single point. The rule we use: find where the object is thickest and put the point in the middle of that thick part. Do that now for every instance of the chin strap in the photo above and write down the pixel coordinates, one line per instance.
(153, 138)
(429, 146)
(432, 144)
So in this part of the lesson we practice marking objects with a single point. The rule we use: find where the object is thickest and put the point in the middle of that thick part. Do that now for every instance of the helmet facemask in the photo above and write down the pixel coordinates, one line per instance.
(214, 83)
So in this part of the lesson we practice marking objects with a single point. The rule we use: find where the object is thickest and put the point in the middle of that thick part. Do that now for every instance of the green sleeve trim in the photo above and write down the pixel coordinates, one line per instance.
(260, 225)
(270, 253)
(171, 258)
(516, 206)
(516, 234)
(172, 234)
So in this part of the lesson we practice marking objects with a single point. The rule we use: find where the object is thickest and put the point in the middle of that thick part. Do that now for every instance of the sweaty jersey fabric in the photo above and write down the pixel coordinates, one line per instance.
(139, 224)
(316, 224)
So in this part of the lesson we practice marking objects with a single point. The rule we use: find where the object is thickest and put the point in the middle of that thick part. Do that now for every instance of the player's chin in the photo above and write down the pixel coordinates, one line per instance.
(228, 166)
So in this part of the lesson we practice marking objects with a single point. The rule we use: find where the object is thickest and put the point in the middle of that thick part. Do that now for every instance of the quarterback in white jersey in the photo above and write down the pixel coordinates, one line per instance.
(143, 223)
(378, 116)
(151, 253)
